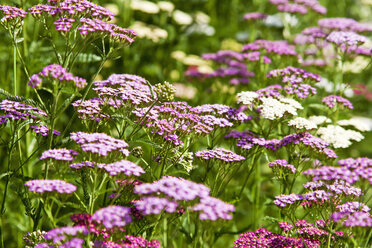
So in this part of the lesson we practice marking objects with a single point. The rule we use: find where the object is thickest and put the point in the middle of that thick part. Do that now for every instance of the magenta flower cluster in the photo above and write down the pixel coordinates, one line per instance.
(220, 154)
(123, 166)
(282, 164)
(170, 193)
(61, 154)
(42, 186)
(11, 14)
(299, 6)
(100, 143)
(113, 216)
(58, 73)
(264, 238)
(331, 101)
(43, 130)
(20, 111)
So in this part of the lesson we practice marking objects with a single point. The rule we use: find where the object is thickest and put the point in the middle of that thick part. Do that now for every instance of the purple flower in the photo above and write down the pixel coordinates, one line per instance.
(99, 143)
(282, 164)
(58, 73)
(124, 166)
(59, 235)
(220, 154)
(175, 188)
(113, 216)
(155, 205)
(286, 200)
(41, 186)
(254, 16)
(211, 208)
(346, 38)
(12, 14)
(20, 111)
(90, 109)
(44, 130)
(332, 100)
(61, 154)
(275, 47)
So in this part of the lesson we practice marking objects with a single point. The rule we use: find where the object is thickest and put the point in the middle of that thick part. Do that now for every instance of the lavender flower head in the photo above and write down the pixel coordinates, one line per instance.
(61, 154)
(299, 6)
(155, 205)
(11, 15)
(20, 111)
(44, 130)
(287, 200)
(212, 209)
(346, 38)
(99, 143)
(58, 73)
(254, 16)
(90, 109)
(175, 188)
(113, 216)
(124, 166)
(282, 165)
(220, 154)
(60, 235)
(332, 100)
(41, 186)
(271, 47)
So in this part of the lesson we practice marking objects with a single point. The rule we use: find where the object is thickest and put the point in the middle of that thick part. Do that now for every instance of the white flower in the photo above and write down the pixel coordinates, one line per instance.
(361, 123)
(181, 17)
(338, 136)
(319, 119)
(145, 6)
(329, 87)
(246, 97)
(302, 123)
(151, 32)
(166, 6)
(202, 18)
(272, 108)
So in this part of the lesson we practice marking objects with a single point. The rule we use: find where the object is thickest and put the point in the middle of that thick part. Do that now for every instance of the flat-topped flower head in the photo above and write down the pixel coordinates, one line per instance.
(302, 123)
(211, 208)
(331, 173)
(276, 108)
(175, 188)
(271, 47)
(220, 154)
(20, 111)
(282, 165)
(332, 100)
(224, 111)
(254, 16)
(113, 216)
(343, 24)
(90, 109)
(299, 6)
(123, 166)
(293, 75)
(61, 154)
(11, 15)
(287, 200)
(61, 234)
(346, 38)
(154, 205)
(58, 73)
(43, 185)
(124, 90)
(247, 97)
(44, 130)
(339, 137)
(100, 143)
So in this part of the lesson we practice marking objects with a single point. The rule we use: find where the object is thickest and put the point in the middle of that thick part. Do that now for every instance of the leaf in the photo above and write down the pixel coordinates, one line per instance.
(20, 99)
(87, 58)
(67, 102)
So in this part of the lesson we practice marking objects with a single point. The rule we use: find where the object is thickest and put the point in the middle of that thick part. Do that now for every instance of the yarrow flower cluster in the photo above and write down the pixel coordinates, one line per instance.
(44, 130)
(220, 154)
(274, 109)
(302, 123)
(339, 137)
(11, 15)
(254, 16)
(332, 100)
(58, 73)
(170, 194)
(346, 38)
(223, 111)
(89, 18)
(42, 186)
(123, 90)
(172, 121)
(123, 166)
(90, 109)
(299, 6)
(61, 154)
(282, 164)
(271, 47)
(100, 143)
(113, 216)
(264, 238)
(20, 111)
